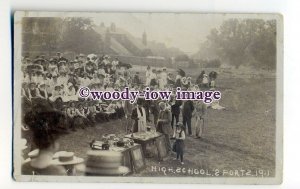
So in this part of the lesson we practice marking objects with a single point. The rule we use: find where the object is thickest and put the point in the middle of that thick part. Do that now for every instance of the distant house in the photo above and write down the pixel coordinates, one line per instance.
(118, 42)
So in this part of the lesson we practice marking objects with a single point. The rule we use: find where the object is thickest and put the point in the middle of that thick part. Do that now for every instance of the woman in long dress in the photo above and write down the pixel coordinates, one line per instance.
(139, 116)
(199, 115)
(164, 123)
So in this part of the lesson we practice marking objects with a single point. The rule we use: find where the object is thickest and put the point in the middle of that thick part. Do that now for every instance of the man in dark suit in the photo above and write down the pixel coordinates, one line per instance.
(187, 111)
(175, 109)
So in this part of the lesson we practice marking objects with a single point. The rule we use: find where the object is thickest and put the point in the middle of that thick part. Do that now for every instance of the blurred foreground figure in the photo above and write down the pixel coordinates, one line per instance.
(46, 125)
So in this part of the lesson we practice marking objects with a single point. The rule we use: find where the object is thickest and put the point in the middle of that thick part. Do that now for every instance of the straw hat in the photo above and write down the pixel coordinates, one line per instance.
(41, 85)
(180, 125)
(33, 153)
(66, 158)
(104, 163)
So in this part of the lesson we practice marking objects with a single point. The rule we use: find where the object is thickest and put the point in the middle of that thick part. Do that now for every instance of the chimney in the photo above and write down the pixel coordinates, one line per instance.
(144, 37)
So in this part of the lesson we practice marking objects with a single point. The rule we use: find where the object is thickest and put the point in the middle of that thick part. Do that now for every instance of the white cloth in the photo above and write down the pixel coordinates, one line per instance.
(50, 85)
(101, 71)
(62, 80)
(142, 124)
(216, 106)
(70, 95)
(53, 69)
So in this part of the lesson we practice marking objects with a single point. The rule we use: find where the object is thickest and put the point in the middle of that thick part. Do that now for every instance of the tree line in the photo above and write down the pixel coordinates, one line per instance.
(247, 42)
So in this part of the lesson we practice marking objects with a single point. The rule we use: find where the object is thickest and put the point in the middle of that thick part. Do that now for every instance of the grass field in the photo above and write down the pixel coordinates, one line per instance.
(240, 137)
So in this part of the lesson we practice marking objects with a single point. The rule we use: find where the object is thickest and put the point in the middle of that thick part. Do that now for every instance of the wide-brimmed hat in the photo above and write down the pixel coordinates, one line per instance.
(62, 61)
(32, 83)
(162, 104)
(33, 153)
(66, 158)
(38, 60)
(180, 124)
(41, 84)
(104, 163)
(52, 60)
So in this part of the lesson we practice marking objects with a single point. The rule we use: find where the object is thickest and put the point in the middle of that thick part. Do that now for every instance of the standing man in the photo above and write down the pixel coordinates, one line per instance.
(187, 112)
(127, 110)
(175, 109)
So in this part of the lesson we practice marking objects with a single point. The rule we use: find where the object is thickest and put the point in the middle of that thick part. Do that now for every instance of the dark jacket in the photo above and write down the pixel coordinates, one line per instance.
(187, 109)
(175, 108)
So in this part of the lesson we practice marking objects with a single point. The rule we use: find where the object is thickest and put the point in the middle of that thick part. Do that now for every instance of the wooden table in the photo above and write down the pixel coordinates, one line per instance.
(133, 156)
(148, 138)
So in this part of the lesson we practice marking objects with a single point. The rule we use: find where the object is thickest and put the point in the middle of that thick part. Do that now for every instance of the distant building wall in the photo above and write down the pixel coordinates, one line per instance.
(143, 61)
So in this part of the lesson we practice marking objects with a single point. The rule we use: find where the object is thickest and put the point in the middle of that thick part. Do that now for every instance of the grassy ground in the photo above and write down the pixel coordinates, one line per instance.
(240, 137)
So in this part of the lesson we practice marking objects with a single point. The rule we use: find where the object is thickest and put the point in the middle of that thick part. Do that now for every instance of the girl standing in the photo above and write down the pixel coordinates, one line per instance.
(179, 136)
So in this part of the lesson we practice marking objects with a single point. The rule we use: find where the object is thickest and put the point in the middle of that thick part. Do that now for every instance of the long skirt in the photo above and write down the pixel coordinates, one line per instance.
(179, 146)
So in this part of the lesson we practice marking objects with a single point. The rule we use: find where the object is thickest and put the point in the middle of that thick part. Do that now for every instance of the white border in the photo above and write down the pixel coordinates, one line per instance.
(204, 180)
(289, 9)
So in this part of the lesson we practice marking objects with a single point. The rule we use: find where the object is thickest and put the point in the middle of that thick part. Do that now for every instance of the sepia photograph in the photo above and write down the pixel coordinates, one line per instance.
(148, 97)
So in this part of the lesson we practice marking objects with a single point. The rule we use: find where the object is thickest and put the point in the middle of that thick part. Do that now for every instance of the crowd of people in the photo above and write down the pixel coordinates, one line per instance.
(56, 80)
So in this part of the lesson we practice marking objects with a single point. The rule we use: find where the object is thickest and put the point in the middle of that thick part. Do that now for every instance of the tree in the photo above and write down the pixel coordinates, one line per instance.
(182, 57)
(41, 35)
(79, 36)
(250, 42)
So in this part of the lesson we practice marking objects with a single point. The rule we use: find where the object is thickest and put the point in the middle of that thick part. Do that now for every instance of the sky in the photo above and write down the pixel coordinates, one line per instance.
(184, 31)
